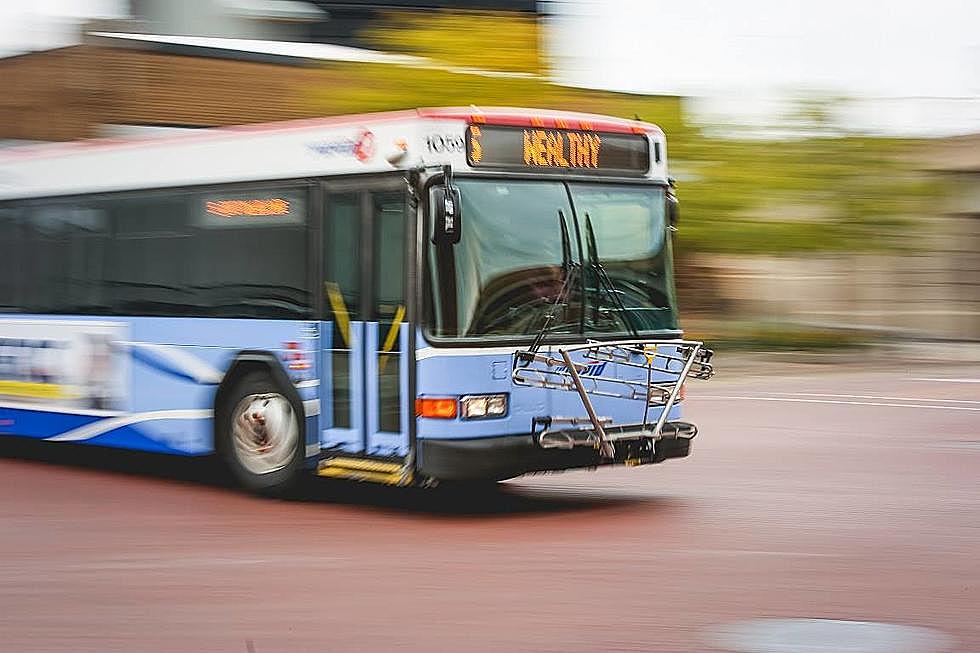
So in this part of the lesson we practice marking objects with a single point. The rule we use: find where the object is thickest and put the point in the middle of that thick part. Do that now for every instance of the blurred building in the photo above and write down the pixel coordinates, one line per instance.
(182, 64)
(930, 288)
(314, 21)
(957, 163)
(347, 19)
(198, 63)
(246, 19)
(96, 88)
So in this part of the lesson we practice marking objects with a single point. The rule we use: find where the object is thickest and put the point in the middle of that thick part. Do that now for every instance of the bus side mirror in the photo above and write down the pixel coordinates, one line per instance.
(673, 211)
(447, 215)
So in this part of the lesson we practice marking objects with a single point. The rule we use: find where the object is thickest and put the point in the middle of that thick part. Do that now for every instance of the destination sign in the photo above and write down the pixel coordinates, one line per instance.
(252, 208)
(249, 207)
(556, 150)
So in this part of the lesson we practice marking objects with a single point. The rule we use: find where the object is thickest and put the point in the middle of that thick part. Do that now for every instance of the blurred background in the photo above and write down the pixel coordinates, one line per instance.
(827, 154)
(827, 158)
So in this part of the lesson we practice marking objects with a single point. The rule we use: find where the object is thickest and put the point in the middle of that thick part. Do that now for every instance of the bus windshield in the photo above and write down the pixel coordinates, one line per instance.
(513, 262)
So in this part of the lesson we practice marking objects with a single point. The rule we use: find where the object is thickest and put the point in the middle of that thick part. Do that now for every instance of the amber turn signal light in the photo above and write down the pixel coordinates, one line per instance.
(436, 407)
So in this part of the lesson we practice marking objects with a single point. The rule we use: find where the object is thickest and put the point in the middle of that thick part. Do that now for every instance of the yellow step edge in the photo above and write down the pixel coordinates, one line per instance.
(361, 464)
(387, 478)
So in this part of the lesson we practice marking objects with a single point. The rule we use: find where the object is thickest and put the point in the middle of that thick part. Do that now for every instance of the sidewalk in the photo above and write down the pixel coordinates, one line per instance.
(882, 356)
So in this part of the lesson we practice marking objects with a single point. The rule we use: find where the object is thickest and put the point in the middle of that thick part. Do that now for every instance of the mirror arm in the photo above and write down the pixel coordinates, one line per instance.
(673, 208)
(448, 209)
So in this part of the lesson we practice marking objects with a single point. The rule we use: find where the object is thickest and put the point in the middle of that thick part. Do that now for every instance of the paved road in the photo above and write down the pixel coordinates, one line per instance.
(840, 496)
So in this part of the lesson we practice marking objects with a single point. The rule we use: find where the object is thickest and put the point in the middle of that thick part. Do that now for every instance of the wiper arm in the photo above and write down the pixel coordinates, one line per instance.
(566, 244)
(533, 306)
(569, 271)
(602, 278)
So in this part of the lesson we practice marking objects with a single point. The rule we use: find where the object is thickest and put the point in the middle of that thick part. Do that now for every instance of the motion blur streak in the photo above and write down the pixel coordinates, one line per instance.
(826, 161)
(799, 510)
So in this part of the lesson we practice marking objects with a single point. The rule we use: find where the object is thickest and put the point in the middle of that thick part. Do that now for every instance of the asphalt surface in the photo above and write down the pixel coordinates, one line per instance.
(862, 506)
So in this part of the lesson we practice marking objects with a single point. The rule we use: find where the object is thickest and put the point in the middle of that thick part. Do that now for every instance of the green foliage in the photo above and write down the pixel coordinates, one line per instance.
(805, 194)
(768, 237)
(383, 87)
(776, 337)
(484, 40)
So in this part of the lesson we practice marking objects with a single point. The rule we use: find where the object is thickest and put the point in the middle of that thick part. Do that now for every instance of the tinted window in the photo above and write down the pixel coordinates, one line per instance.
(57, 255)
(509, 267)
(151, 266)
(9, 257)
(624, 231)
(512, 264)
(251, 253)
(225, 254)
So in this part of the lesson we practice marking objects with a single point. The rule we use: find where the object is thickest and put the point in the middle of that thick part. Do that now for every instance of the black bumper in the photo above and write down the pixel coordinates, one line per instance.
(498, 458)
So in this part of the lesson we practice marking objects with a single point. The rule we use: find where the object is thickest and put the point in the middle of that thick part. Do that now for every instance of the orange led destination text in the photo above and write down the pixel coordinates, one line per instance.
(240, 208)
(549, 148)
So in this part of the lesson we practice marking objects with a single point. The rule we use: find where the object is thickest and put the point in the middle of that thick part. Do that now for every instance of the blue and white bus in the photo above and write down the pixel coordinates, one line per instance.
(407, 298)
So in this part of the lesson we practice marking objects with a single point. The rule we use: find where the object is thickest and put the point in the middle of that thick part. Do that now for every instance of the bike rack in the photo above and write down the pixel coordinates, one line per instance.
(680, 359)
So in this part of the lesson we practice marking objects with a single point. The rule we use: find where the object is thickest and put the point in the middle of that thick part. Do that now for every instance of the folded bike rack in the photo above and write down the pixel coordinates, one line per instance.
(557, 369)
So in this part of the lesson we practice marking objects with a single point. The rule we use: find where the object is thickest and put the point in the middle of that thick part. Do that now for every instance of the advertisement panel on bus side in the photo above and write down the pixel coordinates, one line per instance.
(65, 364)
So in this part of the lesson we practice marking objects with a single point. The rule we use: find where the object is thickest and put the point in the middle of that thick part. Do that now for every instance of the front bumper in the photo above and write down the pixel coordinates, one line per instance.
(498, 458)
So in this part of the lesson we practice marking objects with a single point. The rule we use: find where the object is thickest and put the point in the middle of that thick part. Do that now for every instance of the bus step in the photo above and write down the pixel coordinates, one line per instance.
(365, 469)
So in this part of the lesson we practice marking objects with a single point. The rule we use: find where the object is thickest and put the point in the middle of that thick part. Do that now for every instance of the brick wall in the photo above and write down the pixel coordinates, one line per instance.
(66, 94)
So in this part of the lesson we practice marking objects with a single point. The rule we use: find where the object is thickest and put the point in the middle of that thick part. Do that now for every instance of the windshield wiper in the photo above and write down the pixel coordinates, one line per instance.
(603, 282)
(570, 270)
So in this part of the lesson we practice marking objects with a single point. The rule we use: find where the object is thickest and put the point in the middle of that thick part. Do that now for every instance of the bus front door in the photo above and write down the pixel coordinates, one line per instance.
(364, 404)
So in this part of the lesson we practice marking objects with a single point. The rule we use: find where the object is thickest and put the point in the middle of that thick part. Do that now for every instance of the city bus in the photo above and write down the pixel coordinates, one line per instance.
(444, 295)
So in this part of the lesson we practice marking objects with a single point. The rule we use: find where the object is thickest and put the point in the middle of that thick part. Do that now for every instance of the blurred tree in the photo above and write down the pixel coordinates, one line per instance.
(481, 40)
(811, 193)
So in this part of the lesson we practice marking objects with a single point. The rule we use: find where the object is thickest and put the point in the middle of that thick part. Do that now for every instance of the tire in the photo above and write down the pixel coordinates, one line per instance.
(259, 435)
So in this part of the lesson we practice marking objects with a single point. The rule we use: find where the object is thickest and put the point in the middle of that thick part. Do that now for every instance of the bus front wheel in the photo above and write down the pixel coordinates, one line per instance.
(259, 435)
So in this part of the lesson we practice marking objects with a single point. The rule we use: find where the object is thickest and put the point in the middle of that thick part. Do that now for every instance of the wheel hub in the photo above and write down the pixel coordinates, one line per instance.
(264, 432)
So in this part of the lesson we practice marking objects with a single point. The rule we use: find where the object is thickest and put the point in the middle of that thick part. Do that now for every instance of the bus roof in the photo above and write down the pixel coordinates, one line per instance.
(51, 168)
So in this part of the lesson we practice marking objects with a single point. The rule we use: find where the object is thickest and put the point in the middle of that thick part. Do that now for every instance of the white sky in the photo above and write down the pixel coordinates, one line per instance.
(40, 24)
(914, 64)
(869, 47)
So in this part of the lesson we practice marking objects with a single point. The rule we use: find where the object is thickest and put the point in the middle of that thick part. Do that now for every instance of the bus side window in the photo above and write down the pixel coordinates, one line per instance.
(11, 252)
(62, 247)
(251, 245)
(150, 269)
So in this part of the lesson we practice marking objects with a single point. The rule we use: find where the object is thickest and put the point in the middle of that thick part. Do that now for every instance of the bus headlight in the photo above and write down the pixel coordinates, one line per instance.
(483, 406)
